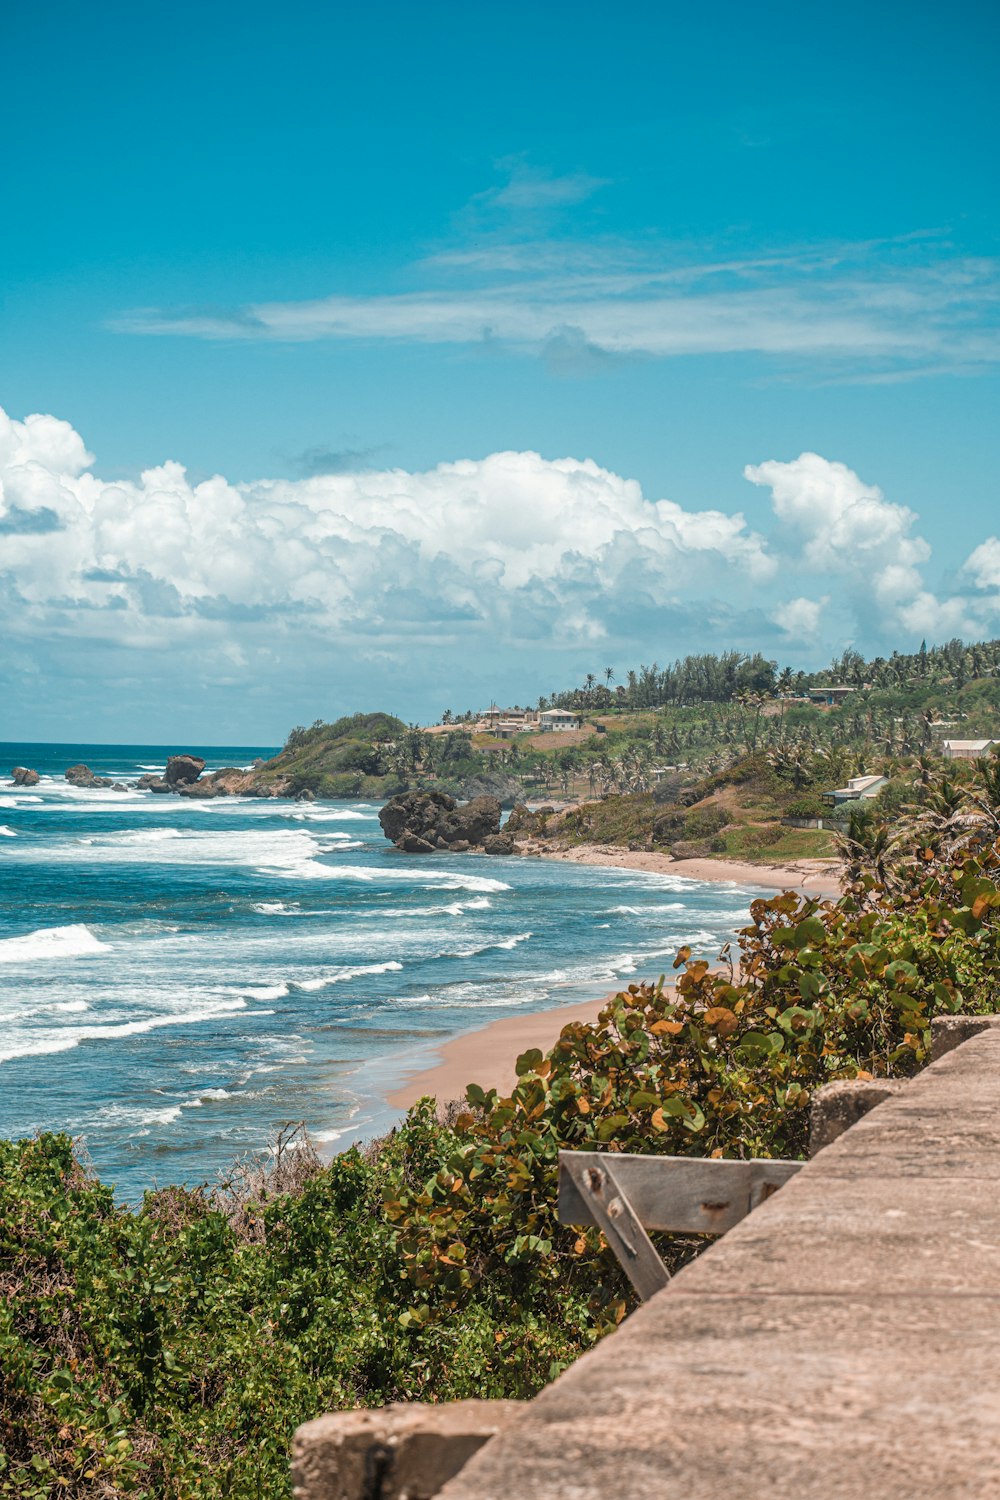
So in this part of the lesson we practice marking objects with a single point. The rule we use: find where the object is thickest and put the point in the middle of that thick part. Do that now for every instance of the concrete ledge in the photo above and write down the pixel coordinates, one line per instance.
(948, 1032)
(838, 1106)
(402, 1452)
(841, 1342)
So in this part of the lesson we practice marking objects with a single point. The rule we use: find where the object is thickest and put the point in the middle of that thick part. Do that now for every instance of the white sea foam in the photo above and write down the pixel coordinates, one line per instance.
(281, 851)
(347, 972)
(267, 992)
(74, 941)
(7, 833)
(452, 909)
(326, 815)
(450, 880)
(44, 1043)
(507, 944)
(277, 908)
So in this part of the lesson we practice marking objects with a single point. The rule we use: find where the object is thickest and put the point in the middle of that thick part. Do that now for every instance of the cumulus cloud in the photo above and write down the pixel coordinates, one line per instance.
(437, 580)
(800, 618)
(844, 524)
(513, 545)
(983, 565)
(834, 522)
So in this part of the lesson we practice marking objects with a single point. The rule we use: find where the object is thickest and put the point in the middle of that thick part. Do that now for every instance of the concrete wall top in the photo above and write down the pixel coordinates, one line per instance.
(841, 1343)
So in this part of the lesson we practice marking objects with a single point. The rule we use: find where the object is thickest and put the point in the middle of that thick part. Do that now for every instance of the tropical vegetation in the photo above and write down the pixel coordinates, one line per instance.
(169, 1348)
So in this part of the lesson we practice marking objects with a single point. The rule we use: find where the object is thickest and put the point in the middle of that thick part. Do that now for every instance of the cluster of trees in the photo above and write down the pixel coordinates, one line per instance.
(169, 1350)
(710, 678)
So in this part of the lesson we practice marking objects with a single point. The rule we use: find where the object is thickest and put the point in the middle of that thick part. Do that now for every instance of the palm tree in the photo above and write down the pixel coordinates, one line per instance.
(870, 851)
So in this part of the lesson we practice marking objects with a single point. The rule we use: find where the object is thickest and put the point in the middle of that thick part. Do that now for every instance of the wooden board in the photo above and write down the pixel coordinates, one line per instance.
(678, 1194)
(595, 1182)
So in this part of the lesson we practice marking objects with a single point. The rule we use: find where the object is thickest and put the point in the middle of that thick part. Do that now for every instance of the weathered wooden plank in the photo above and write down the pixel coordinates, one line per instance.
(678, 1194)
(608, 1207)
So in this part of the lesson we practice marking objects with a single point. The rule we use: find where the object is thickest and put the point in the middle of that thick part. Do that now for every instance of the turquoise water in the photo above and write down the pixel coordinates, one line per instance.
(179, 978)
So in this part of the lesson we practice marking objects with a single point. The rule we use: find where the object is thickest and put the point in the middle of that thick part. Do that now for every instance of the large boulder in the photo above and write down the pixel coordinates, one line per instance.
(414, 811)
(499, 843)
(81, 775)
(420, 822)
(24, 776)
(183, 769)
(201, 789)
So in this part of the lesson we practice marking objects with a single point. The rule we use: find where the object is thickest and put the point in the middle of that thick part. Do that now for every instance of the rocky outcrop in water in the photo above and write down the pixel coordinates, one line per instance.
(183, 769)
(422, 822)
(24, 776)
(82, 775)
(183, 777)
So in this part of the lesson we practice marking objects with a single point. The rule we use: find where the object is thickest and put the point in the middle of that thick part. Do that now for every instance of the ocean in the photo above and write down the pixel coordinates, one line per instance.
(179, 979)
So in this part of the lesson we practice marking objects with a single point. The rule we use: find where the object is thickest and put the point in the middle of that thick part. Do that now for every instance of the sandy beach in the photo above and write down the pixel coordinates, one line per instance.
(814, 877)
(487, 1056)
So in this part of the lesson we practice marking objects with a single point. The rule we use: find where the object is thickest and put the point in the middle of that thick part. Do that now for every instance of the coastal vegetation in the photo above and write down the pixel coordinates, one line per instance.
(372, 757)
(169, 1348)
(713, 756)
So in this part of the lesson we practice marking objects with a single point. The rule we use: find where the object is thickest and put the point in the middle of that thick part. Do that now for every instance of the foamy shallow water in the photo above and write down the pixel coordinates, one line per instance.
(178, 979)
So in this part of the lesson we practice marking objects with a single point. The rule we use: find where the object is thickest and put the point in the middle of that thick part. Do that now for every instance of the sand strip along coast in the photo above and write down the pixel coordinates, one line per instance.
(487, 1056)
(814, 877)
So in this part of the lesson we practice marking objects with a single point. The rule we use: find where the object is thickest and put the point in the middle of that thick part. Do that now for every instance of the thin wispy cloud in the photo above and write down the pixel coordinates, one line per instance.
(528, 188)
(870, 310)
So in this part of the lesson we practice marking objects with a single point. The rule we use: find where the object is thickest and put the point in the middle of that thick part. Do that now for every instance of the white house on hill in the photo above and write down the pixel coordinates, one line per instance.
(558, 718)
(858, 789)
(967, 749)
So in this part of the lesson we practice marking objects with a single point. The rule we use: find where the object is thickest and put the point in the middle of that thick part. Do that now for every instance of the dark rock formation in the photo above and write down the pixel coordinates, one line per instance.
(23, 776)
(182, 769)
(200, 789)
(82, 775)
(182, 777)
(499, 843)
(420, 822)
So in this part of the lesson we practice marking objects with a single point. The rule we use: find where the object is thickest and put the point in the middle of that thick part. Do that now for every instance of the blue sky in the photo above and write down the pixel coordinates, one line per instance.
(496, 344)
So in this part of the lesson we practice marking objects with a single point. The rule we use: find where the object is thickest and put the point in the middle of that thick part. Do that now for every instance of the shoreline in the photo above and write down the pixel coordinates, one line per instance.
(812, 877)
(487, 1054)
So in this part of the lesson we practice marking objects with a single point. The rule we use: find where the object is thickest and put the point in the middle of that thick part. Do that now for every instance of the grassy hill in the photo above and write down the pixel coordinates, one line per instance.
(373, 756)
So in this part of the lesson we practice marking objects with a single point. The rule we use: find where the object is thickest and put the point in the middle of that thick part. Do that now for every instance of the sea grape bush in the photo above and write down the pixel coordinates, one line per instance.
(170, 1350)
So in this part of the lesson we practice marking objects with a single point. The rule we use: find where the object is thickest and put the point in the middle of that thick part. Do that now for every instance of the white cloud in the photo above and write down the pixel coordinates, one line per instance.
(434, 581)
(800, 618)
(845, 526)
(844, 523)
(835, 523)
(512, 546)
(983, 565)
